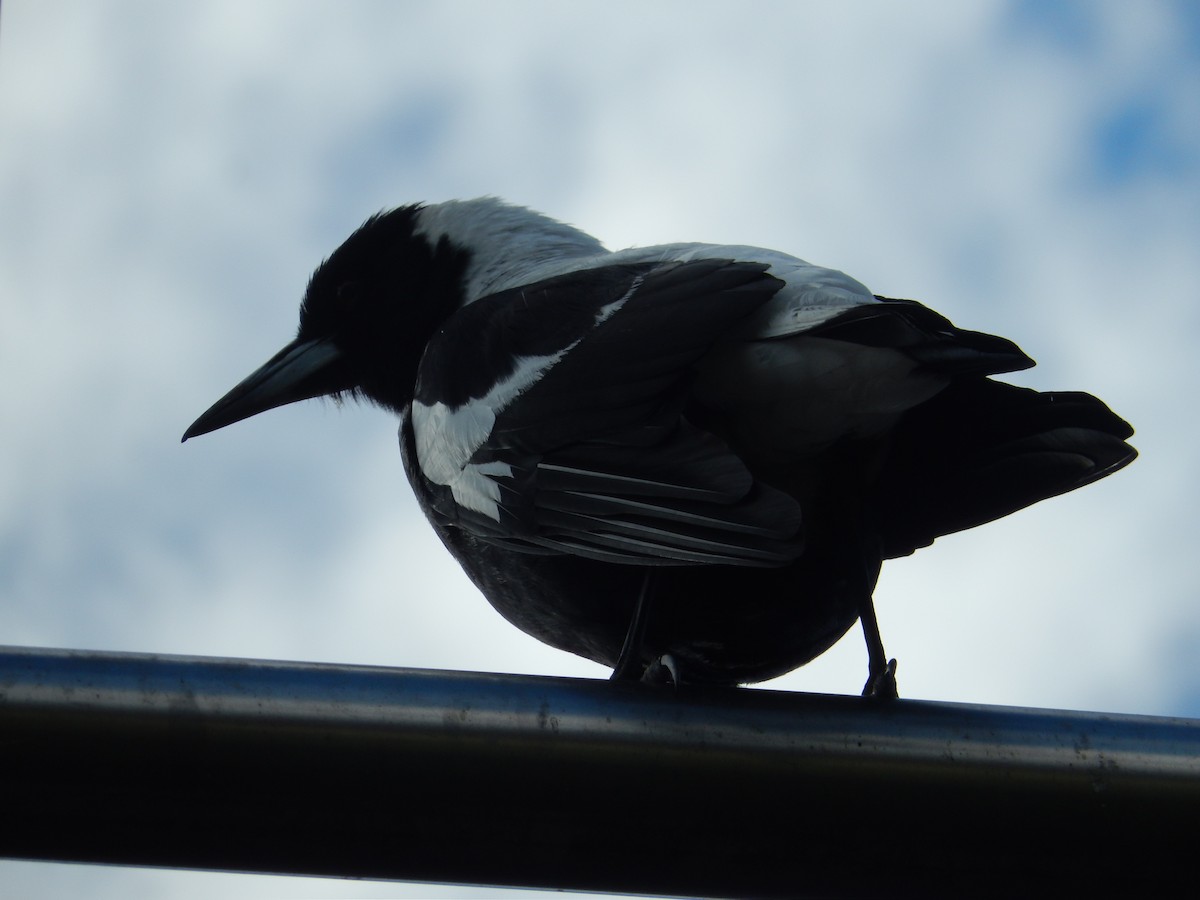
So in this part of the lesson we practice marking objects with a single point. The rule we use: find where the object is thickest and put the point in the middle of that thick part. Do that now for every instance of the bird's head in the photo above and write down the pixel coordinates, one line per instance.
(367, 314)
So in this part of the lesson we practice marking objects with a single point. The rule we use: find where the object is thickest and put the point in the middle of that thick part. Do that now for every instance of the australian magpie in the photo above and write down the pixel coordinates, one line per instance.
(689, 454)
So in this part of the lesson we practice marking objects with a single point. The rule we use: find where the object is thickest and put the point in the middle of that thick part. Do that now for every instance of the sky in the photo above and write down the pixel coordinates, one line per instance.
(170, 175)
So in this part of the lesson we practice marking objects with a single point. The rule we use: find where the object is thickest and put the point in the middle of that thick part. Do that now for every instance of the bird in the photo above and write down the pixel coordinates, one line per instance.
(686, 462)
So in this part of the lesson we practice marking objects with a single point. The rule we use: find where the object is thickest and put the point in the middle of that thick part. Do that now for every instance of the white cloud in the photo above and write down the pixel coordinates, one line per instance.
(169, 175)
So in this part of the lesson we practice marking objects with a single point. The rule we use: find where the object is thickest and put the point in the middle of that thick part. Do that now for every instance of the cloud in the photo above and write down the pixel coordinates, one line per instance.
(170, 175)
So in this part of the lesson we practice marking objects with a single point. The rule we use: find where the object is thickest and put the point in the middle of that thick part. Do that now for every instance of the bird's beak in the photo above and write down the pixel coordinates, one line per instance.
(301, 370)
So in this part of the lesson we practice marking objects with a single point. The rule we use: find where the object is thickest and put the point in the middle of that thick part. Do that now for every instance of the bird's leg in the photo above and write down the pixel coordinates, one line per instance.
(629, 662)
(663, 670)
(881, 682)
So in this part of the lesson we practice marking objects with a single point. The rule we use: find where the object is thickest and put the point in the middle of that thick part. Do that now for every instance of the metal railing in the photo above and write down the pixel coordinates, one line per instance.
(544, 782)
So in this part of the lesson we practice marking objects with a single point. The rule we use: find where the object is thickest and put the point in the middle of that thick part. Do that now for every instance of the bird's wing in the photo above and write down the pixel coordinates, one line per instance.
(548, 418)
(928, 338)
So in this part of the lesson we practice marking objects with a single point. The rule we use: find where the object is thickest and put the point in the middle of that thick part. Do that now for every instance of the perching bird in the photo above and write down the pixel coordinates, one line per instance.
(691, 455)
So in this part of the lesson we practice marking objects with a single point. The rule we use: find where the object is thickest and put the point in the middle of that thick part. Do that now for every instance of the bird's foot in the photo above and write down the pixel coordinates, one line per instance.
(881, 685)
(664, 670)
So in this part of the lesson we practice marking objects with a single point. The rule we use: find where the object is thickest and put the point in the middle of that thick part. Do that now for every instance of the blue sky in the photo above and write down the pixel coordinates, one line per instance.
(170, 174)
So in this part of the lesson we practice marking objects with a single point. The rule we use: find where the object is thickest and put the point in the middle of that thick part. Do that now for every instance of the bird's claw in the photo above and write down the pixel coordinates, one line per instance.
(881, 685)
(664, 670)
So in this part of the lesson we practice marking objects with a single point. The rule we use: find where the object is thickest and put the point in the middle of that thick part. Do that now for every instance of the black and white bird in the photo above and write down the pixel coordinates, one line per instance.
(687, 455)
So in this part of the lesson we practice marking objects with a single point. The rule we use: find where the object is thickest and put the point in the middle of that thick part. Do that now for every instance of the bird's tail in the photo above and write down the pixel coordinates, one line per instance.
(982, 449)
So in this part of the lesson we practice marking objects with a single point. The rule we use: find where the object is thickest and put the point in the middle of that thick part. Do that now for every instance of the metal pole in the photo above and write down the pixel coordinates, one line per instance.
(542, 782)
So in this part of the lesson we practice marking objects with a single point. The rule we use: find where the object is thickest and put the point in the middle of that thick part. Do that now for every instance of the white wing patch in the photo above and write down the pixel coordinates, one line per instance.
(605, 312)
(475, 487)
(446, 438)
